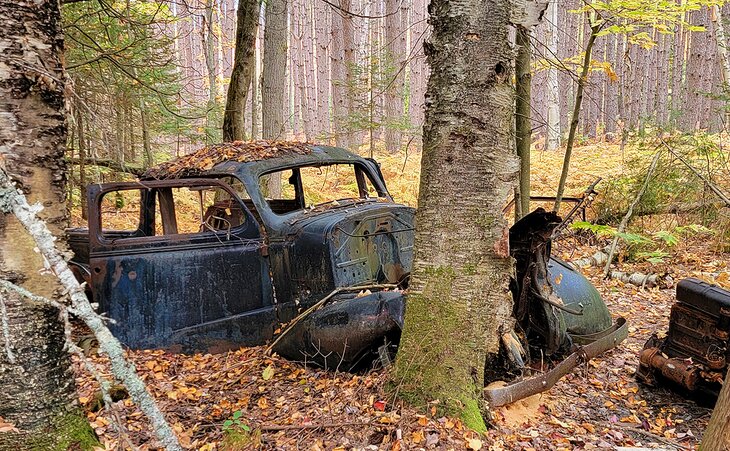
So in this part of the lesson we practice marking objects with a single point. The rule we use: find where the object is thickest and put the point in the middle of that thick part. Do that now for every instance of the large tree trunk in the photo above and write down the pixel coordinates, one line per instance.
(247, 21)
(459, 302)
(274, 80)
(37, 391)
(717, 435)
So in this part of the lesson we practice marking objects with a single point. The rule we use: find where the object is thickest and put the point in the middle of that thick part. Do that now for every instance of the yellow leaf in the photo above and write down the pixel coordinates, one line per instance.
(422, 420)
(268, 373)
(417, 437)
(262, 403)
(474, 444)
(172, 395)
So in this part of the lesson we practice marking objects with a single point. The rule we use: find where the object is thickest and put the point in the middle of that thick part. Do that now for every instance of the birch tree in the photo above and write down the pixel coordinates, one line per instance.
(37, 391)
(459, 302)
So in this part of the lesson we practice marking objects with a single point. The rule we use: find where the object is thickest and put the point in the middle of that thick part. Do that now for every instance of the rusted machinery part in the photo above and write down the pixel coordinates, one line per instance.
(500, 396)
(676, 370)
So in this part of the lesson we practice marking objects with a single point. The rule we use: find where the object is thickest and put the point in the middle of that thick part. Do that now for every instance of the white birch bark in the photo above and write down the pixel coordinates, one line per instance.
(13, 200)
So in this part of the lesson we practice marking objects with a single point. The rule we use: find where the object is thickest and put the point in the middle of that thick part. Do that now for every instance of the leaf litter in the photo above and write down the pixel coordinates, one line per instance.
(296, 406)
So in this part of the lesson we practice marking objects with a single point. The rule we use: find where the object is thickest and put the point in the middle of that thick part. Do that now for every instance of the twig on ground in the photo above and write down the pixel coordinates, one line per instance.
(288, 427)
(645, 433)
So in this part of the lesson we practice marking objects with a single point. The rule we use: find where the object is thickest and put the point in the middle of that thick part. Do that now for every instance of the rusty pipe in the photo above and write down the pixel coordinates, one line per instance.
(676, 370)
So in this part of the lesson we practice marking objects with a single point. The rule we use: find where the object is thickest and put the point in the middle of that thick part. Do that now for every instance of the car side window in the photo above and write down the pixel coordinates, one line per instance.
(159, 211)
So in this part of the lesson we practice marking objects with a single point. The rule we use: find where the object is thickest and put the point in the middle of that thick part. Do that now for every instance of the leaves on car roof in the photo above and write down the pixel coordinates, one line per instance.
(206, 158)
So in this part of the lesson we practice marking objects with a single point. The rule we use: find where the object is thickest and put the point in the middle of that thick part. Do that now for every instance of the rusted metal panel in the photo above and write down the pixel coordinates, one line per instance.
(695, 352)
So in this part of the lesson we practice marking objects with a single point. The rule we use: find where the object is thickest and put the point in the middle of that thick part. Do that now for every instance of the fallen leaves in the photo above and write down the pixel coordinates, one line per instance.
(599, 406)
(239, 151)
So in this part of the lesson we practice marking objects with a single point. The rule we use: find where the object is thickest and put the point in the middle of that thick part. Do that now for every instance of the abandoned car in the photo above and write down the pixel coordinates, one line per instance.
(222, 247)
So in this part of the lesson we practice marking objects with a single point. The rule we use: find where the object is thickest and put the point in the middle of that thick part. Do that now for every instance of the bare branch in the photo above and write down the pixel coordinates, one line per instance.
(13, 200)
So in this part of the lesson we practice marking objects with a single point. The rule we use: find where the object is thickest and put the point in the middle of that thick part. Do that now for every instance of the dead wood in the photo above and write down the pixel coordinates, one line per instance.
(625, 220)
(723, 197)
(110, 164)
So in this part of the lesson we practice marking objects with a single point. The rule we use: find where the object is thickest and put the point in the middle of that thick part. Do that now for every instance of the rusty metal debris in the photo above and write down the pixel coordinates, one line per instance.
(610, 338)
(694, 353)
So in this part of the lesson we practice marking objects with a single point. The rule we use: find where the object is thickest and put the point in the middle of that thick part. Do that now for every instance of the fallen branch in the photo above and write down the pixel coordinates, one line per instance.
(645, 433)
(643, 280)
(13, 200)
(598, 259)
(110, 164)
(625, 220)
(320, 303)
(636, 278)
(288, 427)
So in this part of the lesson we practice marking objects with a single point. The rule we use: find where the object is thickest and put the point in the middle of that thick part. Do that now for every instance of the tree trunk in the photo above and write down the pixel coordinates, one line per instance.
(523, 124)
(553, 113)
(149, 159)
(348, 40)
(247, 21)
(418, 68)
(717, 435)
(722, 53)
(582, 81)
(459, 301)
(308, 54)
(394, 81)
(274, 80)
(299, 26)
(339, 80)
(209, 52)
(321, 11)
(37, 391)
(82, 163)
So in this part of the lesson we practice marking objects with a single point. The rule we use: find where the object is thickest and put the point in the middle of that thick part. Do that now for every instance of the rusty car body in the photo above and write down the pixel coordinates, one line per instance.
(253, 262)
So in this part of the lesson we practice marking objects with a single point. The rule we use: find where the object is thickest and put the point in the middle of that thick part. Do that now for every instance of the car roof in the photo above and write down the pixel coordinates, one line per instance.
(255, 156)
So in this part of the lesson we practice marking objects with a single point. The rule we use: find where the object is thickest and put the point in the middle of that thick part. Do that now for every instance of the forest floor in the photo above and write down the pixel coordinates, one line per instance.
(288, 406)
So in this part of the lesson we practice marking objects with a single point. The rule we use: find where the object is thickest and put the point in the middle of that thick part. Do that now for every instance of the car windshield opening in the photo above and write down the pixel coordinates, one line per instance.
(308, 187)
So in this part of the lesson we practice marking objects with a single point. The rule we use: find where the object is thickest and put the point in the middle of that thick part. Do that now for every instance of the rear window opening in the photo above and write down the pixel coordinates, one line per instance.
(160, 211)
(309, 187)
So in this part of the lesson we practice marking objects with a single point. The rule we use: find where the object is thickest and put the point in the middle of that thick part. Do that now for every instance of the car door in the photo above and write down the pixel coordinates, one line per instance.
(178, 265)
